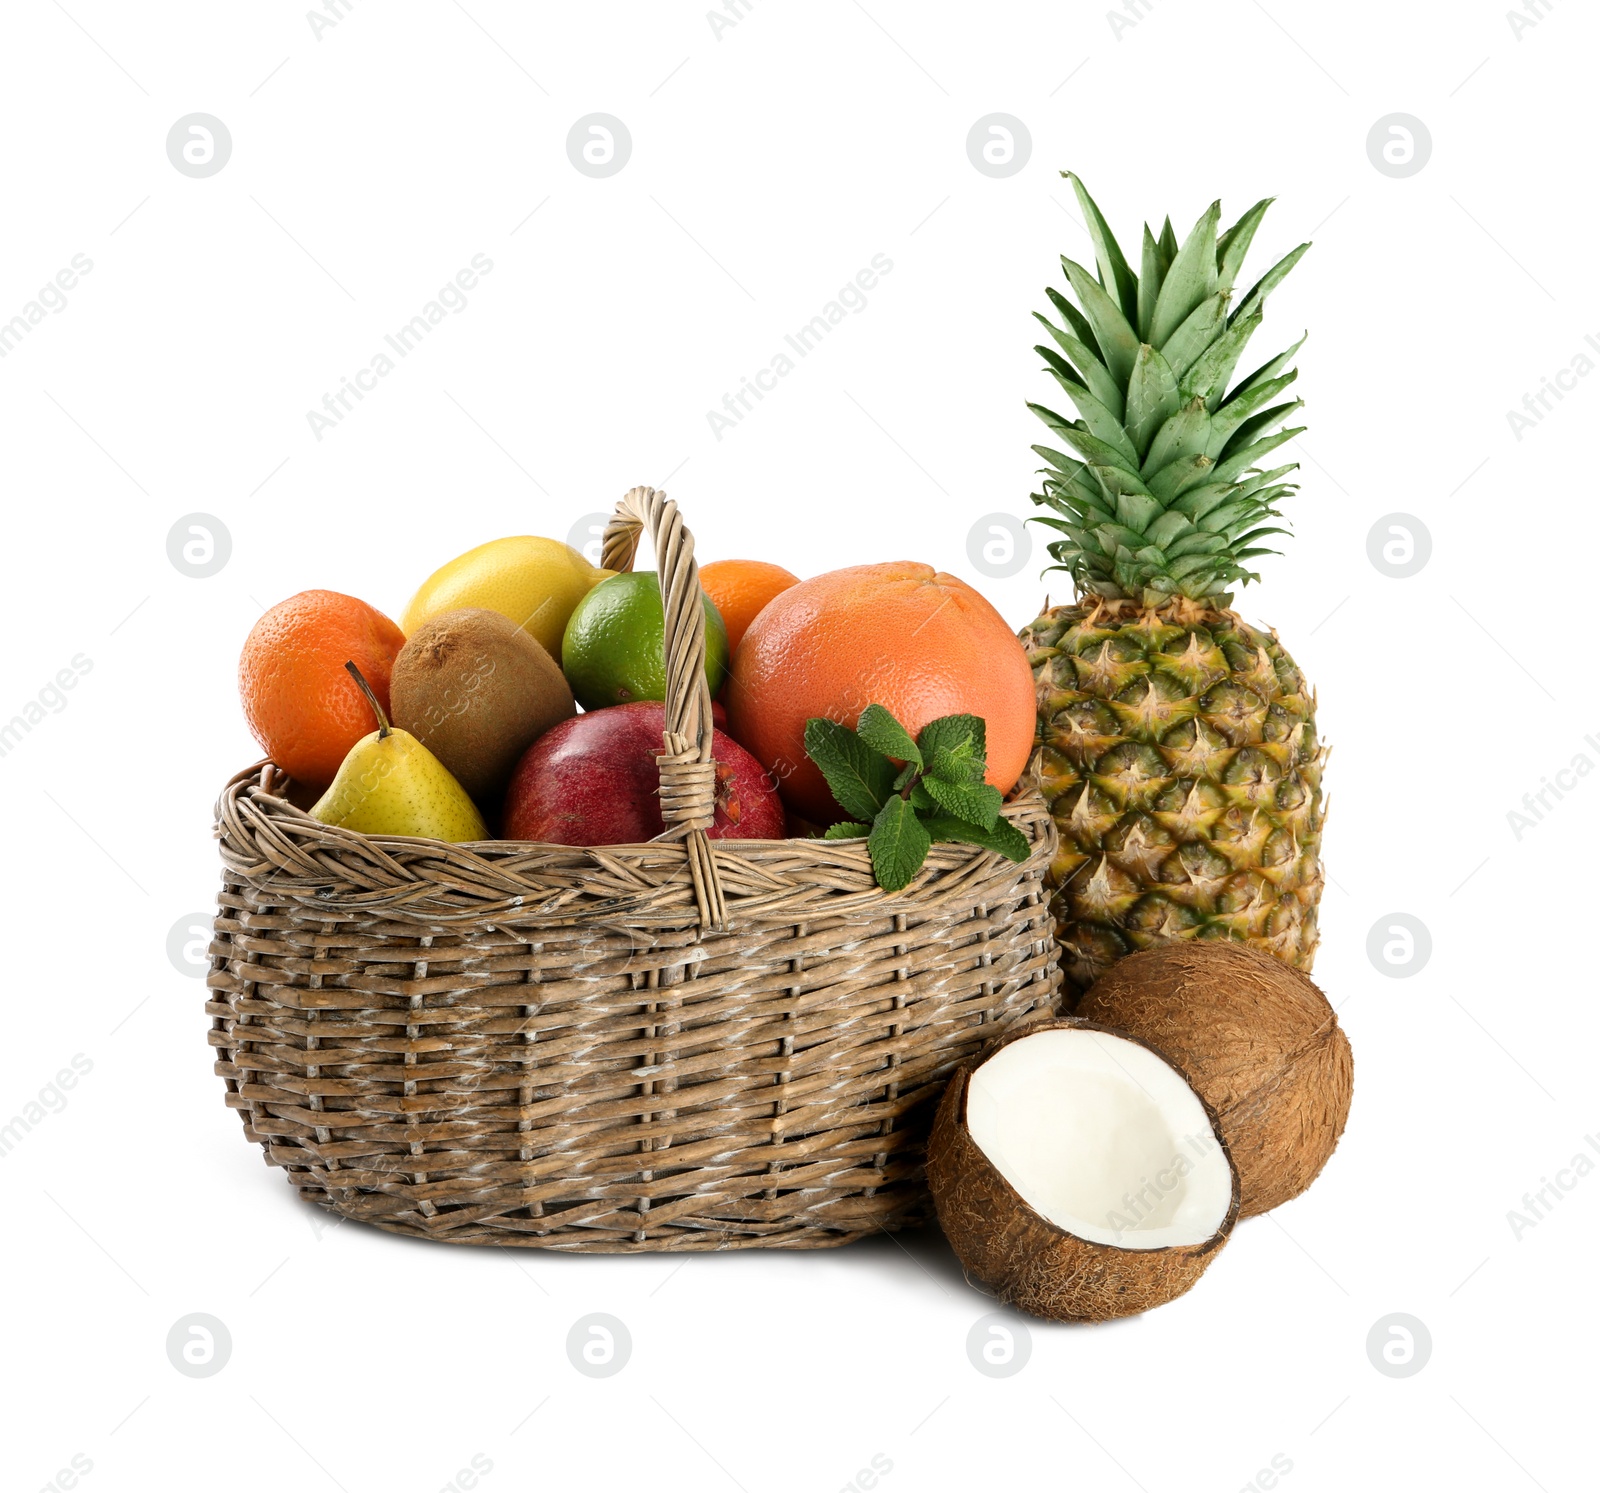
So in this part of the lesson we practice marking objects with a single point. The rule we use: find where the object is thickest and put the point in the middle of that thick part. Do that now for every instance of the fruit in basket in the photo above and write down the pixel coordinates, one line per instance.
(535, 582)
(299, 702)
(593, 780)
(740, 588)
(613, 651)
(477, 691)
(920, 643)
(390, 784)
(1078, 1174)
(1180, 752)
(1258, 1041)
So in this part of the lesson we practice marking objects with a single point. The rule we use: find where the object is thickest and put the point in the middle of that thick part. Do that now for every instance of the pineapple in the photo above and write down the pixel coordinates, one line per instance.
(1179, 749)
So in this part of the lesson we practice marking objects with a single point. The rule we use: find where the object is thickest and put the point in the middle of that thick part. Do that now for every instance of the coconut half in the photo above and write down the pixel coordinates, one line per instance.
(1077, 1173)
(1258, 1041)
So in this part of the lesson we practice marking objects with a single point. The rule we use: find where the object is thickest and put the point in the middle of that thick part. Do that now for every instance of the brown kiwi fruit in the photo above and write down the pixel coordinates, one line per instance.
(477, 691)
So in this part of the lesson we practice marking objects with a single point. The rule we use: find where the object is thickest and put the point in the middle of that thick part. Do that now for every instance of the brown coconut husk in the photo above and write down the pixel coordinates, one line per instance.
(1025, 1259)
(1256, 1039)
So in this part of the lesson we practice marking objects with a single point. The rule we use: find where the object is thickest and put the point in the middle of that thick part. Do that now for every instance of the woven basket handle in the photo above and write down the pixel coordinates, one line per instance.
(688, 773)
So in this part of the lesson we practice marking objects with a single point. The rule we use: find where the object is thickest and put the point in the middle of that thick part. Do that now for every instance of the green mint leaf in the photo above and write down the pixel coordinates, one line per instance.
(952, 732)
(920, 800)
(953, 748)
(976, 803)
(885, 734)
(956, 765)
(898, 845)
(846, 830)
(908, 775)
(860, 778)
(1005, 837)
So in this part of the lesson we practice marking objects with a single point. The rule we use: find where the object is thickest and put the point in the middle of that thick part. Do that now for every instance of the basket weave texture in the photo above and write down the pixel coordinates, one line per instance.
(681, 1045)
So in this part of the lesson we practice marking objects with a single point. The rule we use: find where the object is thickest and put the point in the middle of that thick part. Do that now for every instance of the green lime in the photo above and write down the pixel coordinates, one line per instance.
(613, 651)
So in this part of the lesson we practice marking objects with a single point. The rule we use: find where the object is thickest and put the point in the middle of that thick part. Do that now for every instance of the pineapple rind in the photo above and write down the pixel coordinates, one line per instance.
(1179, 754)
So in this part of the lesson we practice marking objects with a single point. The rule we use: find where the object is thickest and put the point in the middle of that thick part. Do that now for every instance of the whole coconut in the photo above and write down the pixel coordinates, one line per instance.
(1259, 1043)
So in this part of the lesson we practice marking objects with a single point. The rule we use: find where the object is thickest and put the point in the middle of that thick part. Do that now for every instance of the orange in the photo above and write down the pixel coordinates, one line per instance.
(740, 588)
(918, 642)
(300, 702)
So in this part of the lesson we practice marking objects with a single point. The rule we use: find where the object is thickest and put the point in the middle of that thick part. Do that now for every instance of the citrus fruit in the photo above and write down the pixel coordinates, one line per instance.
(740, 588)
(613, 651)
(300, 703)
(535, 582)
(920, 643)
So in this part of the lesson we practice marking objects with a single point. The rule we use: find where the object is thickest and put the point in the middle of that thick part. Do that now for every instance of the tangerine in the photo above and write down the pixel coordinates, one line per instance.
(918, 642)
(740, 588)
(300, 703)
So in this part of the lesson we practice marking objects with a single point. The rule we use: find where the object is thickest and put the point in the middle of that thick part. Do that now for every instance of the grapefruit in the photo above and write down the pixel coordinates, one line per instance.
(918, 642)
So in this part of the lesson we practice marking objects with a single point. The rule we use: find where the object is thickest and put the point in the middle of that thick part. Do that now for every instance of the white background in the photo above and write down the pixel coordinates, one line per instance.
(770, 163)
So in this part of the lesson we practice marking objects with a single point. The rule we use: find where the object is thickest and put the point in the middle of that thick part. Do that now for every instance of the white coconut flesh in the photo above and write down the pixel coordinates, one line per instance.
(1101, 1137)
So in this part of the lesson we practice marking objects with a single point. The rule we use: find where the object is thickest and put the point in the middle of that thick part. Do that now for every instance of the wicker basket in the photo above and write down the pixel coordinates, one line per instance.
(681, 1045)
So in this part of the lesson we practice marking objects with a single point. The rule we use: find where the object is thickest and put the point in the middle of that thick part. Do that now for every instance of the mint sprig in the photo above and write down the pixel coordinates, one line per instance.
(862, 779)
(904, 793)
(977, 804)
(883, 733)
(898, 844)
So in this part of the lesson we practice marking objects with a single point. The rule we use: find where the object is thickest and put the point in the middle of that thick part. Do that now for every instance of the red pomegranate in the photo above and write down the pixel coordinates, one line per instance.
(592, 780)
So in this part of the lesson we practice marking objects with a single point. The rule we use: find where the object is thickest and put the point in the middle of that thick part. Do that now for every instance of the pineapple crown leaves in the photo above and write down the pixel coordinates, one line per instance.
(1162, 492)
(904, 793)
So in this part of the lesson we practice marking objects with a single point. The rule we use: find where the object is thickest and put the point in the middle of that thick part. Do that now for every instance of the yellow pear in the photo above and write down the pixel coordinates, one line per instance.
(390, 784)
(535, 582)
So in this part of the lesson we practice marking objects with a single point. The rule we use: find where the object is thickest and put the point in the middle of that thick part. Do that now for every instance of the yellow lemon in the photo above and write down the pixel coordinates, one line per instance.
(535, 582)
